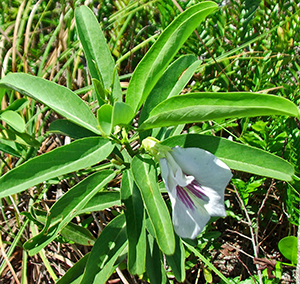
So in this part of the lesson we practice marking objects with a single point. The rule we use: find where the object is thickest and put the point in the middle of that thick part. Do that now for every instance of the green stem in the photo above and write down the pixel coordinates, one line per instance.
(203, 259)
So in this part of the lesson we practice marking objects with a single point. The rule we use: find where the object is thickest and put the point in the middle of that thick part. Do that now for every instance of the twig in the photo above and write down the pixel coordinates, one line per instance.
(8, 262)
(259, 211)
(253, 240)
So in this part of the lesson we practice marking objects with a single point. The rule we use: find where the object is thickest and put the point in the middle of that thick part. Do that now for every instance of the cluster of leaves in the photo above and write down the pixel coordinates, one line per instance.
(104, 149)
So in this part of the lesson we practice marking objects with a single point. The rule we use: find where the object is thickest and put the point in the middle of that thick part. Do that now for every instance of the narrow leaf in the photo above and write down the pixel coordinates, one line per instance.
(237, 156)
(177, 261)
(72, 157)
(166, 84)
(101, 201)
(135, 224)
(105, 252)
(57, 97)
(162, 52)
(75, 273)
(66, 208)
(145, 176)
(196, 107)
(97, 53)
(69, 128)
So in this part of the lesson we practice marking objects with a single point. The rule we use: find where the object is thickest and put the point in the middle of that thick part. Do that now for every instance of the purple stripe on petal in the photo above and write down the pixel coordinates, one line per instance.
(185, 198)
(195, 188)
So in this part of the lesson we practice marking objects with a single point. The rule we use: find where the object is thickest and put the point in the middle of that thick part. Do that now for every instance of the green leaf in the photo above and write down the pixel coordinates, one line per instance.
(104, 115)
(177, 261)
(288, 247)
(57, 97)
(14, 120)
(69, 128)
(10, 147)
(237, 156)
(75, 273)
(78, 235)
(72, 157)
(145, 176)
(135, 224)
(161, 53)
(17, 105)
(196, 107)
(100, 61)
(108, 247)
(101, 201)
(21, 138)
(122, 114)
(67, 207)
(154, 265)
(166, 84)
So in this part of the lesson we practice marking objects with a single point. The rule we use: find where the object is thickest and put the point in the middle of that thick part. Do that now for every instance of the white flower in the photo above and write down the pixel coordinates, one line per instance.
(195, 180)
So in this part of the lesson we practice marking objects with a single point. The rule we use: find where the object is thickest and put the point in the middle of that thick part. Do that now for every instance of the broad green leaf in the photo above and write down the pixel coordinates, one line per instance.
(161, 53)
(69, 128)
(237, 156)
(100, 61)
(166, 84)
(177, 261)
(67, 207)
(288, 247)
(14, 120)
(196, 107)
(75, 273)
(101, 201)
(145, 176)
(122, 114)
(104, 115)
(72, 157)
(108, 247)
(57, 97)
(135, 224)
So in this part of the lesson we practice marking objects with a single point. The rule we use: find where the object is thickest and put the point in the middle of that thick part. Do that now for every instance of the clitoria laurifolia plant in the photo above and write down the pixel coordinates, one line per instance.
(150, 230)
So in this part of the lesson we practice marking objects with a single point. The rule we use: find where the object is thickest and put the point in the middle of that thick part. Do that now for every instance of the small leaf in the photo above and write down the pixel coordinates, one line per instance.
(197, 107)
(122, 114)
(145, 176)
(104, 115)
(288, 247)
(14, 120)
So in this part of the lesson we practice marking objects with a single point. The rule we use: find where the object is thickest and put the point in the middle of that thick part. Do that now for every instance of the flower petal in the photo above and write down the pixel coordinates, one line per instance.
(188, 222)
(212, 174)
